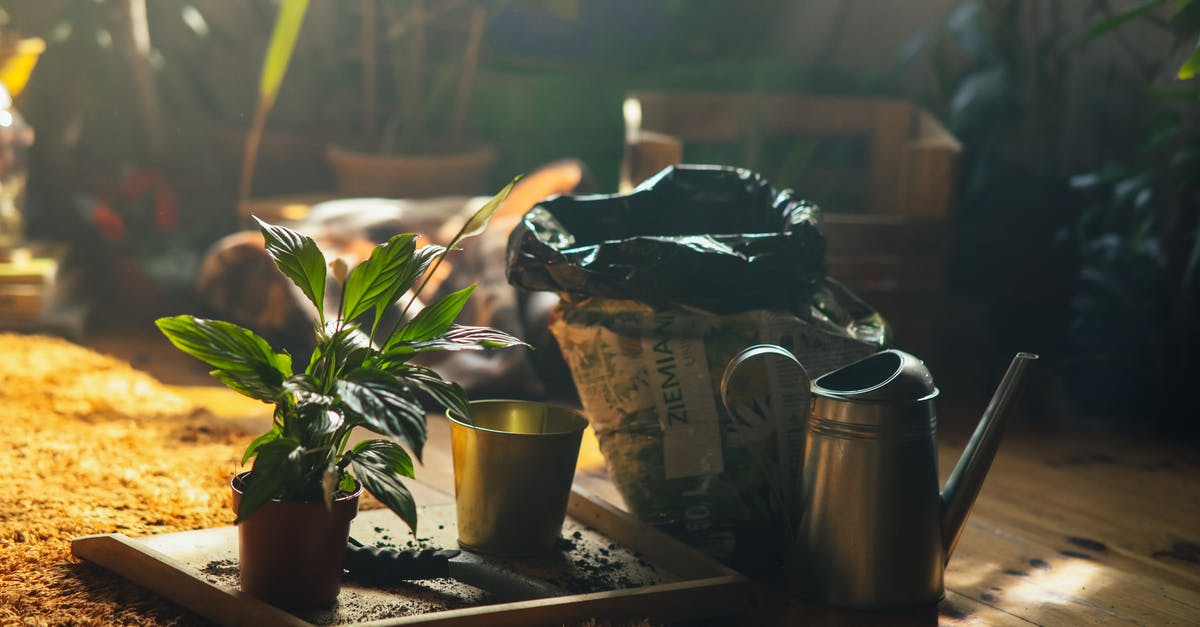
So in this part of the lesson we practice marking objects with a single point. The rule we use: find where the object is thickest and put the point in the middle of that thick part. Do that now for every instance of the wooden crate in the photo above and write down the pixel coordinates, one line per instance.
(897, 239)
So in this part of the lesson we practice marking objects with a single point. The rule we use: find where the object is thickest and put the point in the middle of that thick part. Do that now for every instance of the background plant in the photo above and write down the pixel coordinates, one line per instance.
(1135, 326)
(1091, 268)
(359, 375)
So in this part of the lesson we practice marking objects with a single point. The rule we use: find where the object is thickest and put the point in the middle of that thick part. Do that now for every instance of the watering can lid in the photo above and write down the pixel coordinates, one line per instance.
(887, 376)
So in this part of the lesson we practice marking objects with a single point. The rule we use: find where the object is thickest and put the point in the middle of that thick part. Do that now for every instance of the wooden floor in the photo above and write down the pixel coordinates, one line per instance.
(1069, 529)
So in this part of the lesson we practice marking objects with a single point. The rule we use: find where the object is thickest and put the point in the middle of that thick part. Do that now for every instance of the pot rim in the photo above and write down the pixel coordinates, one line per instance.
(464, 422)
(339, 496)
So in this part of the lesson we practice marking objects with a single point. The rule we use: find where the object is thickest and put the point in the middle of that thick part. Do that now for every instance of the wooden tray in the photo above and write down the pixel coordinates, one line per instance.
(612, 565)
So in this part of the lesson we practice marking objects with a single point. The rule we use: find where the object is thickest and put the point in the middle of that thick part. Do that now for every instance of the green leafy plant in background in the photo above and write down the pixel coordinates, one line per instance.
(1133, 329)
(1183, 25)
(1104, 275)
(1135, 326)
(1000, 85)
(359, 375)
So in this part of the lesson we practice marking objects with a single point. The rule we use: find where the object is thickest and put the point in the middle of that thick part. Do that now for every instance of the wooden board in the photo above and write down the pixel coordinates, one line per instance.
(611, 565)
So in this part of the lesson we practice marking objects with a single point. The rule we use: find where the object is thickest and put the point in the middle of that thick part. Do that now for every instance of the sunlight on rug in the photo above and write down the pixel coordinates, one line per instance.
(90, 445)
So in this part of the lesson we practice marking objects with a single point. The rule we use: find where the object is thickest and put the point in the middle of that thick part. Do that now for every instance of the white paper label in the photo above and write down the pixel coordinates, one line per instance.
(683, 395)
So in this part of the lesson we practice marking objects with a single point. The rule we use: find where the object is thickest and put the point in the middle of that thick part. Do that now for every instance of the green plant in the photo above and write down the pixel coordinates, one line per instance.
(1183, 26)
(1135, 325)
(355, 378)
(1133, 311)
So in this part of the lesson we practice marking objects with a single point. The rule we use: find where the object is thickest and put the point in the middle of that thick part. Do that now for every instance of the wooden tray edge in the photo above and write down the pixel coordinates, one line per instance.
(683, 600)
(161, 574)
(717, 590)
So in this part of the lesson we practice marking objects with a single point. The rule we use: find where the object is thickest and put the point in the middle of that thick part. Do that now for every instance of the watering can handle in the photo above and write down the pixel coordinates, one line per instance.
(751, 353)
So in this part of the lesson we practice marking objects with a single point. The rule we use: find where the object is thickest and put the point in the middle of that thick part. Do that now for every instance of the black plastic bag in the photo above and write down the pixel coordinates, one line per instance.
(716, 238)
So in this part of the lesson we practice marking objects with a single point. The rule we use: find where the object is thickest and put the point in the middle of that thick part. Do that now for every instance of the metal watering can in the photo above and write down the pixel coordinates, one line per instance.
(870, 528)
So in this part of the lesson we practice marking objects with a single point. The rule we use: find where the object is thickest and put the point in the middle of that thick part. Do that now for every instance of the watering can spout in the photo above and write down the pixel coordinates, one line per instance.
(963, 485)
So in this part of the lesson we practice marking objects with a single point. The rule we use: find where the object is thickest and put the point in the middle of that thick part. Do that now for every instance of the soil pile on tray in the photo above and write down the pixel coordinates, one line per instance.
(89, 445)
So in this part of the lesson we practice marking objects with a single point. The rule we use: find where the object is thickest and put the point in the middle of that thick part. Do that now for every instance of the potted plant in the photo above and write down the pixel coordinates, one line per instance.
(295, 504)
(434, 73)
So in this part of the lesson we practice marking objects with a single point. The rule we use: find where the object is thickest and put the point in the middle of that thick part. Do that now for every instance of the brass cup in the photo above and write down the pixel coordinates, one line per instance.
(514, 462)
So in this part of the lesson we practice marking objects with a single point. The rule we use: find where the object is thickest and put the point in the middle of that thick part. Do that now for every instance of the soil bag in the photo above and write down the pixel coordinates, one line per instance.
(720, 239)
(659, 289)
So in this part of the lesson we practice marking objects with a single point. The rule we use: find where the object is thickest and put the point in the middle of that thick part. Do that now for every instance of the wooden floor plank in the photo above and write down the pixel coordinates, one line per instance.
(1013, 570)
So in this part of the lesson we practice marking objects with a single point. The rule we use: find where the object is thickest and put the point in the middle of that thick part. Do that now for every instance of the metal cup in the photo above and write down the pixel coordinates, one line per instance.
(514, 462)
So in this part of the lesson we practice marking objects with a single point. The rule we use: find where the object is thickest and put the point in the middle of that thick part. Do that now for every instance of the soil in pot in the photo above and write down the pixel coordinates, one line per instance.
(290, 553)
(443, 169)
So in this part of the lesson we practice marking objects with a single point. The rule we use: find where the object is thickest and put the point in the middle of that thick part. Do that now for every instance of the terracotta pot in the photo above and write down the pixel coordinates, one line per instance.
(290, 553)
(448, 172)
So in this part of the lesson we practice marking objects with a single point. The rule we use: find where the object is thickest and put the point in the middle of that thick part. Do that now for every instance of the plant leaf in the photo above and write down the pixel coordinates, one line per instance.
(274, 434)
(374, 280)
(456, 338)
(277, 467)
(1175, 93)
(279, 51)
(1190, 66)
(1186, 21)
(421, 261)
(1118, 19)
(486, 337)
(243, 360)
(305, 388)
(384, 406)
(978, 96)
(434, 320)
(330, 480)
(966, 24)
(478, 221)
(346, 349)
(448, 394)
(473, 226)
(250, 384)
(378, 465)
(298, 257)
(315, 425)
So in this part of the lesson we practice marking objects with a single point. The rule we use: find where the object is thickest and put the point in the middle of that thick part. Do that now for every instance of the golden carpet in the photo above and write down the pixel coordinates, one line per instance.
(90, 445)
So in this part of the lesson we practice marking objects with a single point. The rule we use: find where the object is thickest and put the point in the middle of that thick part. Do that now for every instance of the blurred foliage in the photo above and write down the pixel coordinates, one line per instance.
(999, 84)
(1098, 271)
(281, 47)
(103, 104)
(1135, 329)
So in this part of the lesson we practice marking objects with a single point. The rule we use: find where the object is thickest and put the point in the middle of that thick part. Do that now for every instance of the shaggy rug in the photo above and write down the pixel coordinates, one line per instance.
(90, 445)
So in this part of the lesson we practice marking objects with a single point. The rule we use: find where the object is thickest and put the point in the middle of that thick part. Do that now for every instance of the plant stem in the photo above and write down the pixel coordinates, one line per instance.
(417, 292)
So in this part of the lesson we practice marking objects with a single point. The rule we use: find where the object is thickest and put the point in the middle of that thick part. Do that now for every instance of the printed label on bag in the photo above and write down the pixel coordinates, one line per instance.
(683, 395)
